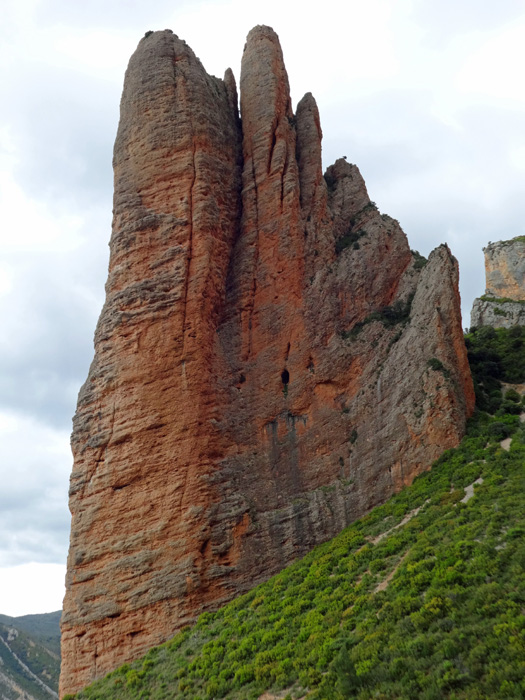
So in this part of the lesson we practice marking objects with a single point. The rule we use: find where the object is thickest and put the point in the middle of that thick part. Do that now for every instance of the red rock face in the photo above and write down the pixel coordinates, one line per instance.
(261, 374)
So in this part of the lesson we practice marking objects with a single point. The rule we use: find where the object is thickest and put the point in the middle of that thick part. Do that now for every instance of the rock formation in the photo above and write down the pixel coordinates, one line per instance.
(503, 304)
(271, 361)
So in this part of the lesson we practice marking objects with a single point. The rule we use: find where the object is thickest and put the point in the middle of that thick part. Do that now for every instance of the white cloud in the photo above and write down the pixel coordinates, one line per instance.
(495, 69)
(31, 588)
(517, 156)
(35, 461)
(42, 227)
(75, 48)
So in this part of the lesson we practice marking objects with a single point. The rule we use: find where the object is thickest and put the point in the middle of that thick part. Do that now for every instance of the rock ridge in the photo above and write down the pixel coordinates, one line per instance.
(270, 363)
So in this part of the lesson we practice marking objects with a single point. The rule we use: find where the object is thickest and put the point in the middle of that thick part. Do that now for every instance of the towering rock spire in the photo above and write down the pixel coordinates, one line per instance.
(143, 419)
(271, 246)
(309, 136)
(266, 335)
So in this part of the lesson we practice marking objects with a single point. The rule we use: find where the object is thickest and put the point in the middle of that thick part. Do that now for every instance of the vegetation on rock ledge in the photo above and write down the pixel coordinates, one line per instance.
(389, 316)
(350, 238)
(501, 300)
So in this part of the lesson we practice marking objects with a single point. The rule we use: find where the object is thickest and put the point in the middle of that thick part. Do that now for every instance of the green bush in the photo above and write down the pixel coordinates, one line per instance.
(512, 395)
(495, 355)
(419, 260)
(509, 407)
(350, 238)
(436, 364)
(389, 316)
(499, 431)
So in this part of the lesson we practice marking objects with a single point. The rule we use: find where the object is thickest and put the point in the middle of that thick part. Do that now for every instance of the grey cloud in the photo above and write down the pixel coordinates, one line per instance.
(445, 19)
(116, 15)
(48, 324)
(33, 542)
(64, 125)
(388, 135)
(42, 372)
(34, 520)
(67, 127)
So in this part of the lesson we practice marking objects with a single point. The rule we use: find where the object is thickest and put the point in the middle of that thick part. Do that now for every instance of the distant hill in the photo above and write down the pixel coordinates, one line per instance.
(44, 627)
(422, 598)
(29, 656)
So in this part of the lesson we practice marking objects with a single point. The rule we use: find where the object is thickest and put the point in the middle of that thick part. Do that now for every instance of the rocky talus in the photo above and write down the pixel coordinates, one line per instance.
(503, 304)
(270, 363)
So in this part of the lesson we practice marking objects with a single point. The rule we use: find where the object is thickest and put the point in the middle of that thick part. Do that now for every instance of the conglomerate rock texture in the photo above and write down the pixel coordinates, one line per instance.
(265, 362)
(503, 304)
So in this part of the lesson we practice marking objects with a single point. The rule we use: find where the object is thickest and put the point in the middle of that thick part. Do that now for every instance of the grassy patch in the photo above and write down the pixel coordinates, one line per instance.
(501, 300)
(511, 241)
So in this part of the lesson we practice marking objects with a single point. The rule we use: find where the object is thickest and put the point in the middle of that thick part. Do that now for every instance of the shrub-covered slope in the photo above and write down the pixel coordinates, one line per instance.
(43, 627)
(495, 356)
(29, 657)
(423, 598)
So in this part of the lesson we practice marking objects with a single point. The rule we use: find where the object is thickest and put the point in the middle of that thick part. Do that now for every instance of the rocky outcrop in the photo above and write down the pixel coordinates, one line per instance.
(503, 304)
(271, 361)
(498, 313)
(505, 269)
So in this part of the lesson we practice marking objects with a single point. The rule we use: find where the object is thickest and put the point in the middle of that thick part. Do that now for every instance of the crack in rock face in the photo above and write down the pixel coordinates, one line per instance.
(271, 361)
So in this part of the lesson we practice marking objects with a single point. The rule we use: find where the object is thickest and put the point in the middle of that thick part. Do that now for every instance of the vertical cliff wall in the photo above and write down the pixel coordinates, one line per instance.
(503, 304)
(271, 361)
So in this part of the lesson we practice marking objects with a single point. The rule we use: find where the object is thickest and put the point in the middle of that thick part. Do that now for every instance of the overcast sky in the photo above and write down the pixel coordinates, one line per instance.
(426, 96)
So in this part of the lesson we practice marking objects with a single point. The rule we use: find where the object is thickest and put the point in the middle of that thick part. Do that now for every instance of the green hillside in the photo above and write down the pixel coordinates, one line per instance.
(495, 356)
(423, 598)
(43, 627)
(28, 668)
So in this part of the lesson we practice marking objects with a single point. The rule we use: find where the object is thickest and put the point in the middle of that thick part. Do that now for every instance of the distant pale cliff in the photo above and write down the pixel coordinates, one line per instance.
(271, 361)
(503, 304)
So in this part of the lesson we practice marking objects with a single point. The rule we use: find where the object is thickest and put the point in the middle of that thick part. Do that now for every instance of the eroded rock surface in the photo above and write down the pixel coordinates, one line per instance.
(270, 363)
